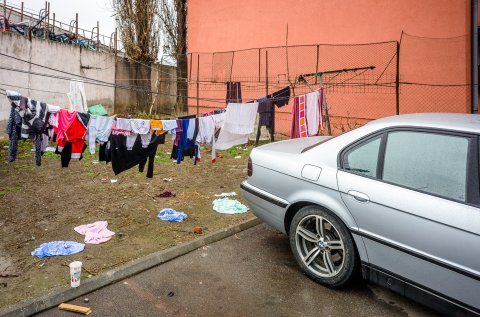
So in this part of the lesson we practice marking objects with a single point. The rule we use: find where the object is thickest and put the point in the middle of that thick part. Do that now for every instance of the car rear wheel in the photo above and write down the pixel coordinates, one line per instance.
(322, 246)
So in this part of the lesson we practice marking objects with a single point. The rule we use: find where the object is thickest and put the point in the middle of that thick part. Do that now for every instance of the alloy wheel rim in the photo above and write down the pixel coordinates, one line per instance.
(320, 246)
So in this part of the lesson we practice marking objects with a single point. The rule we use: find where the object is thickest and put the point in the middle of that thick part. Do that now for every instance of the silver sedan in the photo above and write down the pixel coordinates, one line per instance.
(397, 200)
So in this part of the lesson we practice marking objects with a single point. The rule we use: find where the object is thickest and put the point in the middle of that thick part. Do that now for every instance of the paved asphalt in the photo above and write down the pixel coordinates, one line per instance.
(250, 274)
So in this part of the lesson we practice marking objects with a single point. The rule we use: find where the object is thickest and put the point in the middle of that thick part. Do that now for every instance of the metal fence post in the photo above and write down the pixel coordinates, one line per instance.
(397, 80)
(190, 72)
(272, 132)
(316, 66)
(45, 22)
(98, 35)
(266, 71)
(259, 71)
(76, 26)
(115, 41)
(21, 13)
(198, 86)
(231, 65)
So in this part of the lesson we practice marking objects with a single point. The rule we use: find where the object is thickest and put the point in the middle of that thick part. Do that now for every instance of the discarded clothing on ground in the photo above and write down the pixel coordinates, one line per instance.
(165, 194)
(58, 248)
(226, 194)
(229, 206)
(95, 233)
(171, 215)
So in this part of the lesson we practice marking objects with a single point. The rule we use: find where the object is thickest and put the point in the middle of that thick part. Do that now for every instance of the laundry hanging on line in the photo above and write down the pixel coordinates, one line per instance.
(307, 113)
(239, 123)
(134, 140)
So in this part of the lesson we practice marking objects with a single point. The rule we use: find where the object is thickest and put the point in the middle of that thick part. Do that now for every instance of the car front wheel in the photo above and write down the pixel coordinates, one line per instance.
(322, 246)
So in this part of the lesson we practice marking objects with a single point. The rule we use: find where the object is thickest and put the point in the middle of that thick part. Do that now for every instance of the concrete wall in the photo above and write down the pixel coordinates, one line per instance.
(164, 81)
(105, 67)
(160, 79)
(55, 55)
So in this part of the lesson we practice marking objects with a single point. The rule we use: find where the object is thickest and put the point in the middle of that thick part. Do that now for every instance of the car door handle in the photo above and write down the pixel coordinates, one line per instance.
(361, 197)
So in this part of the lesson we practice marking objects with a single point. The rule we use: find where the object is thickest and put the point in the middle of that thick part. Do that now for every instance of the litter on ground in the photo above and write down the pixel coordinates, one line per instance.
(229, 206)
(171, 215)
(58, 248)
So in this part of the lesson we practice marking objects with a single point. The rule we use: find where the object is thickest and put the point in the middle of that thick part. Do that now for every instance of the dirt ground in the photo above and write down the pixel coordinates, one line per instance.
(42, 204)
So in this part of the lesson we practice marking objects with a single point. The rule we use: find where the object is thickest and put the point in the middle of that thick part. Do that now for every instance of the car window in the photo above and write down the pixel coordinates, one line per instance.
(428, 162)
(363, 158)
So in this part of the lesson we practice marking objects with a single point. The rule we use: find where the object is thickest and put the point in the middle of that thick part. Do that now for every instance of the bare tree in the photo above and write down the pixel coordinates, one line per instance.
(138, 23)
(173, 20)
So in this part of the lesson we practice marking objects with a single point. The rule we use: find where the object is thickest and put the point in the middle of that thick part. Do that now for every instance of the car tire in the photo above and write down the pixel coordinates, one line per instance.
(323, 247)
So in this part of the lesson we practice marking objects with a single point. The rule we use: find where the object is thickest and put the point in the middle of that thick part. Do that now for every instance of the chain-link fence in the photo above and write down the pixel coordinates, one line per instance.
(434, 74)
(363, 88)
(362, 82)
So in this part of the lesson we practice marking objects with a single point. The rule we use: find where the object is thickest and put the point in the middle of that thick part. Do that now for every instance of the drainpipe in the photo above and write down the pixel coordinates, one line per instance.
(474, 59)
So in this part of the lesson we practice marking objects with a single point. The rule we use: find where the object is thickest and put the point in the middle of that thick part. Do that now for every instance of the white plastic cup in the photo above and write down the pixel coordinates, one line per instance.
(75, 271)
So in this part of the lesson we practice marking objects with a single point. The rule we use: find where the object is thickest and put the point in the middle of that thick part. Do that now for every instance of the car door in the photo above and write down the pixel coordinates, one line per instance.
(415, 196)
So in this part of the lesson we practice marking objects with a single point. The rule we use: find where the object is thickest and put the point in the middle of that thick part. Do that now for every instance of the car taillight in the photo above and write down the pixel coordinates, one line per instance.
(249, 167)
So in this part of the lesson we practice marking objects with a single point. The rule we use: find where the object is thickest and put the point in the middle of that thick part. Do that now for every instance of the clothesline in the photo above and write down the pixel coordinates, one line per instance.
(128, 142)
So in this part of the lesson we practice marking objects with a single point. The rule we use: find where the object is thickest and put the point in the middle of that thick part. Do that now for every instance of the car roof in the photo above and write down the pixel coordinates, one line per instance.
(448, 121)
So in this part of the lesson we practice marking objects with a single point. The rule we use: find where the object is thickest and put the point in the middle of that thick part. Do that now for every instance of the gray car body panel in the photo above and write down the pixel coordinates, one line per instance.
(427, 239)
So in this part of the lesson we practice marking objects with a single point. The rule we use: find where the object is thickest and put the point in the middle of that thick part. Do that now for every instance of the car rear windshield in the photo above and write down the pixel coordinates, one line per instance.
(316, 144)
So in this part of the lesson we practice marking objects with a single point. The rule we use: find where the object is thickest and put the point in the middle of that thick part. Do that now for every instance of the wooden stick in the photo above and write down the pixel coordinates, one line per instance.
(75, 308)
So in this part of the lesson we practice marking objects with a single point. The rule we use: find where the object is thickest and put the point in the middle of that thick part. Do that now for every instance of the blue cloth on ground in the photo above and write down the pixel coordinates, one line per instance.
(169, 214)
(58, 248)
(229, 206)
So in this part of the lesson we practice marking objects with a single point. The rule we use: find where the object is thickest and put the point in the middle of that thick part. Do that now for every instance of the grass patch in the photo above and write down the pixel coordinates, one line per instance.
(162, 157)
(50, 154)
(237, 151)
(9, 189)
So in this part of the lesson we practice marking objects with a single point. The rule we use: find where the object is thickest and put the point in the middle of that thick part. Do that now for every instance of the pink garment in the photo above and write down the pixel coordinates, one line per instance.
(65, 120)
(302, 121)
(95, 233)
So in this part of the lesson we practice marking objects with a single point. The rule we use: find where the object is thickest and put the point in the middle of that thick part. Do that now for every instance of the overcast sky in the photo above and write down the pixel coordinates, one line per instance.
(89, 12)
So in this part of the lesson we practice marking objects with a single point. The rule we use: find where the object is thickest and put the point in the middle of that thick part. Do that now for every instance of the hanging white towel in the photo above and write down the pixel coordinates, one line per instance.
(123, 124)
(169, 125)
(140, 126)
(206, 132)
(239, 123)
(312, 112)
(76, 97)
(191, 129)
(219, 119)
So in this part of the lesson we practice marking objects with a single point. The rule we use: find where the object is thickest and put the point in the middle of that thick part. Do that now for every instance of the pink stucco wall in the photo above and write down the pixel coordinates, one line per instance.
(220, 25)
(438, 53)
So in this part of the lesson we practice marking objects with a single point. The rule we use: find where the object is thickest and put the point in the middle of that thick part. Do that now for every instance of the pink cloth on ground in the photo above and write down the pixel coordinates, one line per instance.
(95, 233)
